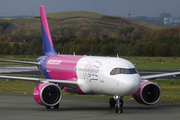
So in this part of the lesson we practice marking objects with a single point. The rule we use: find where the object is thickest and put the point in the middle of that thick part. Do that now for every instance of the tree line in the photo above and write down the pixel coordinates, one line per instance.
(159, 46)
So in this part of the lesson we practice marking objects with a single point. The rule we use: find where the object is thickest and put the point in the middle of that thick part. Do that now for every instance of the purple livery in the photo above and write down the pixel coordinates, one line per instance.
(53, 66)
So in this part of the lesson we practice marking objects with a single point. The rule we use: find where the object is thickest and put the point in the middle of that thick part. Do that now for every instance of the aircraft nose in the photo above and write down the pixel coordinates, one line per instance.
(131, 84)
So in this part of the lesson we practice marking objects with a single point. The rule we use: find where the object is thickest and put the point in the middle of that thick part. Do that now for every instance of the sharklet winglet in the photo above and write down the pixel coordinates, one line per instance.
(48, 47)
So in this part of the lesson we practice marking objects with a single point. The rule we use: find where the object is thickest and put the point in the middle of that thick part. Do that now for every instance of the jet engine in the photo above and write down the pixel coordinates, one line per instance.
(149, 93)
(47, 94)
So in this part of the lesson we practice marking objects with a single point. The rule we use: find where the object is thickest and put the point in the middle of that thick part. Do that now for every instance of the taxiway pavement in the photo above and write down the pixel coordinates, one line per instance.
(23, 107)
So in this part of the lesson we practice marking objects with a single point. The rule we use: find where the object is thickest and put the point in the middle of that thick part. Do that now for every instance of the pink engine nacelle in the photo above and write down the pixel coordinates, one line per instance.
(149, 93)
(47, 94)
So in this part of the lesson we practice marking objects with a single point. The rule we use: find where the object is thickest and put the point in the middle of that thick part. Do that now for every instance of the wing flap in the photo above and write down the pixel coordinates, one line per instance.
(152, 77)
(24, 62)
(22, 78)
(63, 83)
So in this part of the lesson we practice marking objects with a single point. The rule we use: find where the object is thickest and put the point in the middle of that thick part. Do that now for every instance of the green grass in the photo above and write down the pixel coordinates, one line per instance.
(170, 90)
(17, 87)
(74, 14)
(149, 25)
(30, 58)
(108, 27)
(24, 21)
(155, 62)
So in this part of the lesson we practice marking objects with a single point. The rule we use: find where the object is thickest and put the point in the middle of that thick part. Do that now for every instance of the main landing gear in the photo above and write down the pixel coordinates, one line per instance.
(118, 101)
(55, 107)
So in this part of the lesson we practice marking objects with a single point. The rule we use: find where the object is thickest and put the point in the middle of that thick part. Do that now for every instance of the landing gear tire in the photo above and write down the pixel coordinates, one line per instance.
(48, 107)
(116, 110)
(112, 102)
(119, 110)
(56, 106)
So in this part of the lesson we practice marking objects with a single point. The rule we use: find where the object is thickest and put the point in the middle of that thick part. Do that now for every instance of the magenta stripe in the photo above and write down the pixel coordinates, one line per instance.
(45, 23)
(62, 67)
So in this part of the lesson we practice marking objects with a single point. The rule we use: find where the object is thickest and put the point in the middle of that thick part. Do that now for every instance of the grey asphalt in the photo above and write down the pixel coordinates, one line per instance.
(23, 107)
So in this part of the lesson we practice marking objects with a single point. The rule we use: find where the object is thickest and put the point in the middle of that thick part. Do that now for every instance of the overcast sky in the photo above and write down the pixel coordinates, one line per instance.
(150, 8)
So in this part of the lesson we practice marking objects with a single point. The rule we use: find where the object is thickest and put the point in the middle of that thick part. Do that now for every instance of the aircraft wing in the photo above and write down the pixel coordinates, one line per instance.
(63, 83)
(152, 77)
(24, 62)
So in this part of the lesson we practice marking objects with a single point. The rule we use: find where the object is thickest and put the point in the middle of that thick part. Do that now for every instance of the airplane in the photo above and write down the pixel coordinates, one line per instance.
(112, 76)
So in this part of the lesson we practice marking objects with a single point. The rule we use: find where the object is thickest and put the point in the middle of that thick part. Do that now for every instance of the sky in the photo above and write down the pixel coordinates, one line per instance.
(150, 8)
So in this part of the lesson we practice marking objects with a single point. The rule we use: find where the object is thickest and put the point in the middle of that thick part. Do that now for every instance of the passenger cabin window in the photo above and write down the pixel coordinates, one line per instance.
(116, 71)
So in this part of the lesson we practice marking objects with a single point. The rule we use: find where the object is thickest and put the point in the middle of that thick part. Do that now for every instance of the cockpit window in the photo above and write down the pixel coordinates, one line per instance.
(123, 71)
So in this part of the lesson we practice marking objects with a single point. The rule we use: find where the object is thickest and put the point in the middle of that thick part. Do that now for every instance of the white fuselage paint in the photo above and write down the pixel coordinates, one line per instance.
(94, 76)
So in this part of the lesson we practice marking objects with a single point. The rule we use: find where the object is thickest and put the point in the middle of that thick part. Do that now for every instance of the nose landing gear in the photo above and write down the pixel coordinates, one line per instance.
(118, 101)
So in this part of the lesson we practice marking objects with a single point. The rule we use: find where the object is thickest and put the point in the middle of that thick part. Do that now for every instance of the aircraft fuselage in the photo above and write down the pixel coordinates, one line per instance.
(93, 74)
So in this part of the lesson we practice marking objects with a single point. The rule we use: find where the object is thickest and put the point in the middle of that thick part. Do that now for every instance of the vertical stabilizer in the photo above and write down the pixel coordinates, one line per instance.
(48, 47)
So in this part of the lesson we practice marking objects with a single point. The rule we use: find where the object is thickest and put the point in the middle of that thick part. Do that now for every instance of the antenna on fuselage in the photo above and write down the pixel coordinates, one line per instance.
(58, 53)
(74, 53)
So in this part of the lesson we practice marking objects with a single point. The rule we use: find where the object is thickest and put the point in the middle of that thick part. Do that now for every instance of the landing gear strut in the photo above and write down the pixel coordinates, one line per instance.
(55, 107)
(118, 101)
(119, 104)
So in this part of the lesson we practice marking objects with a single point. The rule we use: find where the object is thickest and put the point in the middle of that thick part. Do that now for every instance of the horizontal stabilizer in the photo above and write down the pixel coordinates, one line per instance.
(24, 62)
